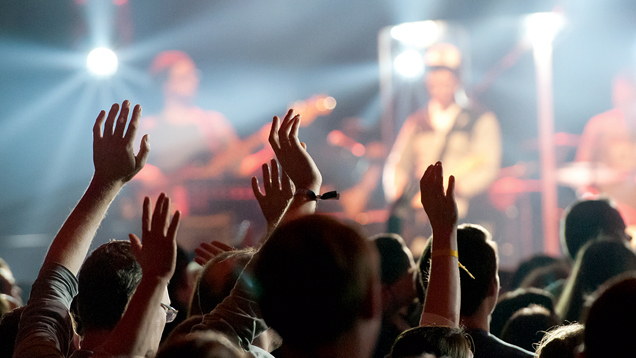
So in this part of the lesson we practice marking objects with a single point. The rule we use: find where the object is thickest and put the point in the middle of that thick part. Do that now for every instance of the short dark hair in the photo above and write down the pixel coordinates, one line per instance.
(511, 302)
(318, 266)
(395, 257)
(440, 341)
(585, 220)
(107, 280)
(477, 252)
(208, 292)
(527, 326)
(609, 325)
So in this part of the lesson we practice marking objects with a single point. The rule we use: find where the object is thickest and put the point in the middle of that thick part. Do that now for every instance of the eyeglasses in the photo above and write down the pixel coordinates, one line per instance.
(171, 312)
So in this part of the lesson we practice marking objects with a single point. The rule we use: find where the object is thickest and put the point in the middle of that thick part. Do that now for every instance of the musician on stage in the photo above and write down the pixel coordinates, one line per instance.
(183, 136)
(608, 144)
(465, 137)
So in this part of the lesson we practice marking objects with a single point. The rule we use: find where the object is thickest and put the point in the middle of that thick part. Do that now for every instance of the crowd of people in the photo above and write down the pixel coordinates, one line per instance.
(316, 286)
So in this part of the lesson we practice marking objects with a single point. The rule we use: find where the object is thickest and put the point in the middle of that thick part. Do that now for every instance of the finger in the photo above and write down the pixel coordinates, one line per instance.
(110, 120)
(156, 214)
(284, 133)
(200, 261)
(294, 129)
(145, 218)
(439, 178)
(222, 246)
(210, 249)
(450, 191)
(273, 134)
(97, 128)
(203, 254)
(267, 180)
(122, 119)
(304, 145)
(144, 150)
(256, 189)
(135, 245)
(133, 126)
(174, 226)
(165, 215)
(274, 176)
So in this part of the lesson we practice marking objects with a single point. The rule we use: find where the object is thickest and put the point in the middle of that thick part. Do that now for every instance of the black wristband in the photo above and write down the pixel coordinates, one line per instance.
(312, 196)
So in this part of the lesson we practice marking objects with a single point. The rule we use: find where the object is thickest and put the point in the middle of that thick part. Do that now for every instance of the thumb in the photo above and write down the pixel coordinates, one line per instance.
(135, 245)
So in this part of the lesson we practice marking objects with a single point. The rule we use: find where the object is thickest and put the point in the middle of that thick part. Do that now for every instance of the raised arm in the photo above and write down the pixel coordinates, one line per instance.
(115, 164)
(138, 331)
(277, 197)
(296, 162)
(443, 295)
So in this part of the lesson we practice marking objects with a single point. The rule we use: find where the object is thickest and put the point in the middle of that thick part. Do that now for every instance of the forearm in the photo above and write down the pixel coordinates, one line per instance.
(443, 295)
(133, 334)
(71, 244)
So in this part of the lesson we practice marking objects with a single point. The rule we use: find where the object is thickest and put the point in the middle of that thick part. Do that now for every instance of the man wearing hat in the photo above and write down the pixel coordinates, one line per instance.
(463, 136)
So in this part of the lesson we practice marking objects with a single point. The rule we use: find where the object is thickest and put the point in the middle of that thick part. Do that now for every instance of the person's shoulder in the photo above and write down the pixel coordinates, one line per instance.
(488, 345)
(605, 119)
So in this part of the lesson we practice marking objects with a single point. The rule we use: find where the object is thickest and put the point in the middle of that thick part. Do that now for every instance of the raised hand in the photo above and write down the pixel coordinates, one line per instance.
(292, 154)
(439, 206)
(277, 197)
(206, 252)
(158, 254)
(113, 154)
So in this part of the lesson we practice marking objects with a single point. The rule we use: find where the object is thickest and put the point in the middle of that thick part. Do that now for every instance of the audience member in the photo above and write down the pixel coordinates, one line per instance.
(439, 333)
(527, 326)
(511, 302)
(8, 285)
(46, 327)
(397, 269)
(597, 262)
(529, 265)
(586, 220)
(437, 341)
(479, 290)
(609, 325)
(201, 345)
(561, 342)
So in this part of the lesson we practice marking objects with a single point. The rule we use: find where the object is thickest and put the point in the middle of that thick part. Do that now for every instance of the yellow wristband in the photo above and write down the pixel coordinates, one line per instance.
(440, 253)
(451, 253)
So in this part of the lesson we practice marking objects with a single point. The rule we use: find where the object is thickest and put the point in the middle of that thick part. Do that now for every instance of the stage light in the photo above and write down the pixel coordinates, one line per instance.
(419, 34)
(542, 27)
(102, 62)
(409, 63)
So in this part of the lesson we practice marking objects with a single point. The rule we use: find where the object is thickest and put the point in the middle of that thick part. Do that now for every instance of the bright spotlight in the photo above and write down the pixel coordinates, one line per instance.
(542, 27)
(409, 63)
(102, 62)
(419, 34)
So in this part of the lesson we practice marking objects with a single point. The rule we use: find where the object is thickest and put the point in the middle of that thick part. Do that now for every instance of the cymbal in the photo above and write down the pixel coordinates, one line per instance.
(577, 174)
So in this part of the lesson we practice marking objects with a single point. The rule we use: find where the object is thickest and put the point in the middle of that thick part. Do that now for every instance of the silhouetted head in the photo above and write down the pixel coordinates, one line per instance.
(586, 220)
(439, 341)
(318, 267)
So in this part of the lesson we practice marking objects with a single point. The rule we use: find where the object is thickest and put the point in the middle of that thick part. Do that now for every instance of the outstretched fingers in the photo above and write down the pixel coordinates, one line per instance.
(120, 126)
(110, 120)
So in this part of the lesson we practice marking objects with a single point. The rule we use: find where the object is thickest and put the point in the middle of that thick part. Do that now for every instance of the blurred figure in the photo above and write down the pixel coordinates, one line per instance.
(184, 137)
(596, 263)
(465, 138)
(8, 286)
(609, 325)
(608, 143)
